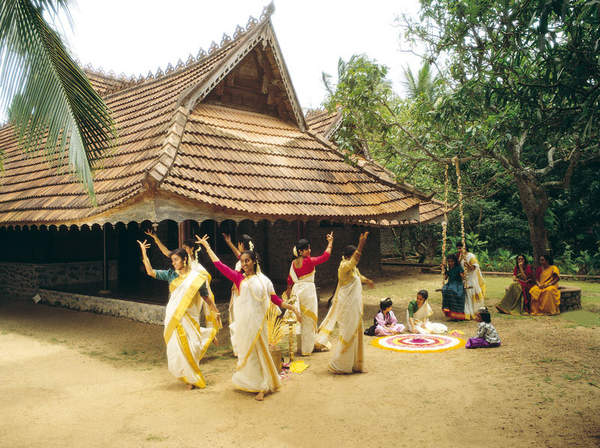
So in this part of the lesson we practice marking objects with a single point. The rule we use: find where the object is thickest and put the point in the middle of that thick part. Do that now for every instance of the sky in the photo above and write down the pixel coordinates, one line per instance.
(134, 37)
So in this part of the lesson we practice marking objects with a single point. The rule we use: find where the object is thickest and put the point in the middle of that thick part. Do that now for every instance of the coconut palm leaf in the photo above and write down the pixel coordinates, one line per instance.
(51, 102)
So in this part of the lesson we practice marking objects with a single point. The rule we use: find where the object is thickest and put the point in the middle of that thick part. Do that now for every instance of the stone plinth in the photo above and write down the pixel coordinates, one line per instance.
(570, 298)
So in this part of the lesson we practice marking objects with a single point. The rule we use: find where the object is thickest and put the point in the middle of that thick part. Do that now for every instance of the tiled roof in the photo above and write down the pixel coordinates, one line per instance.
(323, 122)
(174, 142)
(104, 83)
(430, 210)
(32, 190)
(259, 164)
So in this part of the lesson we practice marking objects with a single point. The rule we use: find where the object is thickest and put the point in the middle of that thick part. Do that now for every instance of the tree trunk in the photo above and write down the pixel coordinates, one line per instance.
(535, 203)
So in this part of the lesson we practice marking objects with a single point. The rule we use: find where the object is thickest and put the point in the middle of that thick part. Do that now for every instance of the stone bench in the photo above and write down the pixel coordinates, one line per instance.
(570, 298)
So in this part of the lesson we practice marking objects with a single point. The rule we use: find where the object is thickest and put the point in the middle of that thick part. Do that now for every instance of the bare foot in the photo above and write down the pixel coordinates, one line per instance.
(260, 396)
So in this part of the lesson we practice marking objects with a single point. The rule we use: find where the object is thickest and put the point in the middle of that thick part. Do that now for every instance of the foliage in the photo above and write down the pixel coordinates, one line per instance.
(517, 104)
(52, 104)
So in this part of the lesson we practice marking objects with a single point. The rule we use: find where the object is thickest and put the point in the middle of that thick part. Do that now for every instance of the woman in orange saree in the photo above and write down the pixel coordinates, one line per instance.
(545, 296)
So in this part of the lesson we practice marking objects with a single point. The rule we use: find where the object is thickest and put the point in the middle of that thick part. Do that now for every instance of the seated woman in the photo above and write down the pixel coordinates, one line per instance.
(418, 315)
(545, 296)
(453, 292)
(386, 323)
(517, 298)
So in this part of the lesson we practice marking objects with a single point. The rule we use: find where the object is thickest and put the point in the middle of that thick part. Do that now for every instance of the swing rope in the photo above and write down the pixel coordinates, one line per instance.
(445, 224)
(460, 200)
(456, 163)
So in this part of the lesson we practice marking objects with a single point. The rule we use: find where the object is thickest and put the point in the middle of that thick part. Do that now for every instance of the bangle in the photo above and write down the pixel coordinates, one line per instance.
(358, 252)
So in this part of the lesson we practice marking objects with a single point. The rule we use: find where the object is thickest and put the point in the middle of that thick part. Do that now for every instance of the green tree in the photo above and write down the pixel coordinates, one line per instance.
(522, 98)
(424, 84)
(49, 100)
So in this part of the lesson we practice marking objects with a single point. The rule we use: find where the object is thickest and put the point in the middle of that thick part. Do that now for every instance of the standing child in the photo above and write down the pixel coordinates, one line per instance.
(487, 336)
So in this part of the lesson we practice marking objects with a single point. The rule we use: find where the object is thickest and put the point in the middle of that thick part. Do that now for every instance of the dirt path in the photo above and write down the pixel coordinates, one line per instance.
(80, 379)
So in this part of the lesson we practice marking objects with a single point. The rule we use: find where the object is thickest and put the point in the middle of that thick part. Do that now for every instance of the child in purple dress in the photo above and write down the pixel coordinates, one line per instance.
(487, 336)
(385, 320)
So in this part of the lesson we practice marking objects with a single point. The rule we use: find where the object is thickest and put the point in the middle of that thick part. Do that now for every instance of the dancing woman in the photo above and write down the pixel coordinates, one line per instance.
(301, 284)
(348, 353)
(255, 370)
(212, 316)
(189, 295)
(244, 243)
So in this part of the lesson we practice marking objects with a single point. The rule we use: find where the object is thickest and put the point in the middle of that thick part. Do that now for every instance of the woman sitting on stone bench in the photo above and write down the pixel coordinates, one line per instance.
(545, 296)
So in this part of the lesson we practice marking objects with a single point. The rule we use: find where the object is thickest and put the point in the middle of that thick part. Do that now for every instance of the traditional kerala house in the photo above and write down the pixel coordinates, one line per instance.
(431, 211)
(218, 144)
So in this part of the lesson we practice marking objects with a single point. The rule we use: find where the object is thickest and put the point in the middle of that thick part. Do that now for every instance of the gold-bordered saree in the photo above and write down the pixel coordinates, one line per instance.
(185, 339)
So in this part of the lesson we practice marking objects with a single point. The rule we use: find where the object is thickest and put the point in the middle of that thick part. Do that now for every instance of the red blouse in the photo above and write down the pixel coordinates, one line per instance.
(236, 277)
(308, 265)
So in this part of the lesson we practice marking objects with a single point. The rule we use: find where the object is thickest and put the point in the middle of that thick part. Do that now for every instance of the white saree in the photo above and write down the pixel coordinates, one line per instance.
(328, 324)
(305, 292)
(348, 353)
(185, 339)
(422, 325)
(255, 370)
(475, 291)
(234, 294)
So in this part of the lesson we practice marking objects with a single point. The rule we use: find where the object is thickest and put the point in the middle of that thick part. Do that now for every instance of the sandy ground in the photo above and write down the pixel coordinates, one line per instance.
(80, 379)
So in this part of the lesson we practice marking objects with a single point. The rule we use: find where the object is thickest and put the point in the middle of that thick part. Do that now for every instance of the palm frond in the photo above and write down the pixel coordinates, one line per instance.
(409, 82)
(49, 99)
(274, 325)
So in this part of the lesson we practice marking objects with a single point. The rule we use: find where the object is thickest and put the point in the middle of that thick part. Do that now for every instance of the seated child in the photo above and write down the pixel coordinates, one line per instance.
(386, 323)
(418, 315)
(487, 336)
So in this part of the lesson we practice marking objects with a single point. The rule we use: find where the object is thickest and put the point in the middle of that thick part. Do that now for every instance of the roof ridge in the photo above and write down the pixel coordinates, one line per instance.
(168, 152)
(201, 57)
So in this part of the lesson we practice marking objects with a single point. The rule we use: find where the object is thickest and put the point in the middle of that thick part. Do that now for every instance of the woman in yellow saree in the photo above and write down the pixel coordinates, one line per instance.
(545, 295)
(348, 354)
(189, 296)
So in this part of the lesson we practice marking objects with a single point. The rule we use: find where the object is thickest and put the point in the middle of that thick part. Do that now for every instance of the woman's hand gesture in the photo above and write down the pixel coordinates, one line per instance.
(202, 241)
(151, 234)
(329, 237)
(363, 237)
(143, 245)
(227, 238)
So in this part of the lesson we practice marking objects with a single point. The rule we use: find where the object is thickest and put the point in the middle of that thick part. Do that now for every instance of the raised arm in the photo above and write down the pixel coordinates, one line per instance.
(327, 253)
(165, 251)
(204, 243)
(362, 240)
(234, 249)
(234, 276)
(144, 247)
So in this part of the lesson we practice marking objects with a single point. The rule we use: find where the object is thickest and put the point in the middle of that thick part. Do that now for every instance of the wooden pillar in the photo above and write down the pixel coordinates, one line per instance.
(266, 246)
(105, 267)
(181, 234)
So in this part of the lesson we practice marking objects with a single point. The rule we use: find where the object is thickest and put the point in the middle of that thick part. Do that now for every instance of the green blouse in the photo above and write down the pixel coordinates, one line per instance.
(412, 308)
(168, 275)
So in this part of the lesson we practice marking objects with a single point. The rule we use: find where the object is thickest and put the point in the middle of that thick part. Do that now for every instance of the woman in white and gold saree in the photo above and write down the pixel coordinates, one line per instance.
(244, 243)
(474, 283)
(189, 296)
(301, 286)
(348, 354)
(255, 370)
